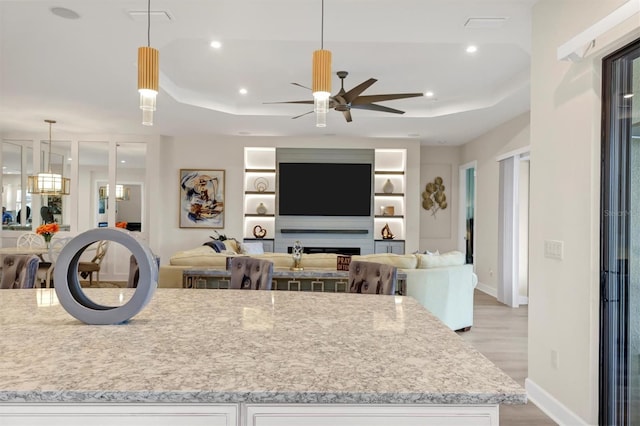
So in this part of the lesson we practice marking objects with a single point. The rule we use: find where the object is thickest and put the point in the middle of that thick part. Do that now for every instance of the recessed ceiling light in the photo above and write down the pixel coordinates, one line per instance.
(65, 13)
(216, 44)
(123, 161)
(429, 94)
(472, 49)
(242, 91)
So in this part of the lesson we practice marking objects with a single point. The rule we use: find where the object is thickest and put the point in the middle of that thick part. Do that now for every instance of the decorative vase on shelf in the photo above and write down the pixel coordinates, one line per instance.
(296, 254)
(388, 187)
(261, 209)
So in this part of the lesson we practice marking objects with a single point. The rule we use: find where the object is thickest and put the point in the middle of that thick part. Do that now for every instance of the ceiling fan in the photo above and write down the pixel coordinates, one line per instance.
(344, 101)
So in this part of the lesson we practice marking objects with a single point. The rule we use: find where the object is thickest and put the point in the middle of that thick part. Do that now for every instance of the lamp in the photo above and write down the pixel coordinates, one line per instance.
(122, 193)
(321, 79)
(48, 183)
(148, 75)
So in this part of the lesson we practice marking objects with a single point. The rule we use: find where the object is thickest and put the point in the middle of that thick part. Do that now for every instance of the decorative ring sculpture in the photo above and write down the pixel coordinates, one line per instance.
(73, 299)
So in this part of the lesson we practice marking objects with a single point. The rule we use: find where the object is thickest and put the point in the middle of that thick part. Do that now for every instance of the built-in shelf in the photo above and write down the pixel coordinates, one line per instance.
(384, 194)
(382, 216)
(259, 215)
(260, 192)
(389, 172)
(259, 170)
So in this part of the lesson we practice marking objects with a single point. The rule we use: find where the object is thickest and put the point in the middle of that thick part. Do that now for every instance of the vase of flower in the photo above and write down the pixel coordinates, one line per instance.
(47, 231)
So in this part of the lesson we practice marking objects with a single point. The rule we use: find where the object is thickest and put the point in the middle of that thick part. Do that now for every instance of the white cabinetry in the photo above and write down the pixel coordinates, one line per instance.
(389, 246)
(370, 415)
(119, 414)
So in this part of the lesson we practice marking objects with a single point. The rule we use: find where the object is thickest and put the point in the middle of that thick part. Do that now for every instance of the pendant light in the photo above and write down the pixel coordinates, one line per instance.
(148, 75)
(321, 78)
(48, 183)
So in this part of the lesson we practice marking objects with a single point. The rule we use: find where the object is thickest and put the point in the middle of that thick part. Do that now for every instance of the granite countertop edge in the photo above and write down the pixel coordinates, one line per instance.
(211, 397)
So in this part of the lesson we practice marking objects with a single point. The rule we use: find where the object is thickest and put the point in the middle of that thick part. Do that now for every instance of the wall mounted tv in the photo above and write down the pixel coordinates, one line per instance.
(324, 189)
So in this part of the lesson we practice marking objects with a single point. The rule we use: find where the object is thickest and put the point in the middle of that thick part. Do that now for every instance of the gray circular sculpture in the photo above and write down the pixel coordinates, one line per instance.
(73, 299)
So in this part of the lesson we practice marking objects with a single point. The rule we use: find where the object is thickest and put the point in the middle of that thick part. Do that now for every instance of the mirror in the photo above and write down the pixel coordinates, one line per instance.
(53, 207)
(17, 164)
(93, 171)
(130, 177)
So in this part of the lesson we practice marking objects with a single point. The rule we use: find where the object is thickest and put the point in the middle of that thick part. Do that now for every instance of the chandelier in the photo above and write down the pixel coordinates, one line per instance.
(48, 183)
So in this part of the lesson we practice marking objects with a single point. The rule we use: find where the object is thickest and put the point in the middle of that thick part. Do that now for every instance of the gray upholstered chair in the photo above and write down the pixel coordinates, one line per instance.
(251, 274)
(372, 277)
(19, 271)
(134, 271)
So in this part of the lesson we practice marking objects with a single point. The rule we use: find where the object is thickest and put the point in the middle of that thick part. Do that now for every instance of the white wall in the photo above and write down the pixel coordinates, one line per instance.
(440, 231)
(509, 136)
(565, 173)
(219, 152)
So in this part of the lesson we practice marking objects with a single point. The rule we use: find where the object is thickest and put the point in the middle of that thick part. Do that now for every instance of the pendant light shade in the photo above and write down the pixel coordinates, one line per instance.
(148, 75)
(147, 82)
(48, 183)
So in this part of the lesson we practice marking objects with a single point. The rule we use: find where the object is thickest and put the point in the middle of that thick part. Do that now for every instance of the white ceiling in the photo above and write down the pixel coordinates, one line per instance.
(83, 74)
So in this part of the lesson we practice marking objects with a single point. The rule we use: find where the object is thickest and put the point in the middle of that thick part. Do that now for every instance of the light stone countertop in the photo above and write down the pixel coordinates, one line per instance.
(231, 346)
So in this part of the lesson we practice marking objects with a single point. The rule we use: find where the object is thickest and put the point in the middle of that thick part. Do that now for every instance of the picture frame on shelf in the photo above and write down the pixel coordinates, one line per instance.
(202, 198)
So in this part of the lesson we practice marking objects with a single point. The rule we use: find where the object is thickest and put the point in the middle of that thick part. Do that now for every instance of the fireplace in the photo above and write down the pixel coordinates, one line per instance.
(339, 250)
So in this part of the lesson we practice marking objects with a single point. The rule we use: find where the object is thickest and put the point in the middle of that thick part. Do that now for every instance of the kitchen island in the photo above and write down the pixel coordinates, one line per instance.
(243, 357)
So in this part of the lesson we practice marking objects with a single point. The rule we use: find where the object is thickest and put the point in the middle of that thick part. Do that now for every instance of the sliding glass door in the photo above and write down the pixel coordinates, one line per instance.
(620, 240)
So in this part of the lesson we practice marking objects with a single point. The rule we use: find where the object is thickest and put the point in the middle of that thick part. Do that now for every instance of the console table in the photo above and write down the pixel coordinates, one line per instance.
(283, 279)
(244, 358)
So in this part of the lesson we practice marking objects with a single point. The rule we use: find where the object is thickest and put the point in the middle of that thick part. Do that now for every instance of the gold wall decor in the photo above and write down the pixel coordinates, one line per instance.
(433, 197)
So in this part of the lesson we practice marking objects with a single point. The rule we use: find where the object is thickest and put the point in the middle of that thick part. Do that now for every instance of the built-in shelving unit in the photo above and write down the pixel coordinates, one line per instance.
(259, 187)
(390, 164)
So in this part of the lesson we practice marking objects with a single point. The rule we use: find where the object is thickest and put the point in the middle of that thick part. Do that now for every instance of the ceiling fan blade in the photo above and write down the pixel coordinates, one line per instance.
(379, 98)
(374, 107)
(347, 116)
(290, 102)
(355, 92)
(300, 85)
(301, 115)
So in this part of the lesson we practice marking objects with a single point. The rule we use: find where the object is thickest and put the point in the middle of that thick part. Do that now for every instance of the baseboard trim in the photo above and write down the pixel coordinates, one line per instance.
(553, 408)
(524, 300)
(488, 290)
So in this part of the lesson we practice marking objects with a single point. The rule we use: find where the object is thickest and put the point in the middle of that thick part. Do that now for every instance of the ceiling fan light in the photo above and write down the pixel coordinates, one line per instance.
(321, 74)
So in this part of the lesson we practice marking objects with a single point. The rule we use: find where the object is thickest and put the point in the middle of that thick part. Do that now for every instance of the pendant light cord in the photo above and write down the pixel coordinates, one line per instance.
(149, 23)
(321, 27)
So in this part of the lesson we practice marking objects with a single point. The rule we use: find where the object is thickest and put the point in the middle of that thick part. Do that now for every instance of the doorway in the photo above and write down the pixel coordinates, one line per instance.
(466, 227)
(619, 242)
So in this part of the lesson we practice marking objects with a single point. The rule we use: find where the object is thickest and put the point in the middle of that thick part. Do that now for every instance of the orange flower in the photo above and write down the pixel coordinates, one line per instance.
(49, 228)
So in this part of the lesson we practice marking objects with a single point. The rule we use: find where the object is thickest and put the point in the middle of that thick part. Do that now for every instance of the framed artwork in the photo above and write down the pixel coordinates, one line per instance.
(201, 198)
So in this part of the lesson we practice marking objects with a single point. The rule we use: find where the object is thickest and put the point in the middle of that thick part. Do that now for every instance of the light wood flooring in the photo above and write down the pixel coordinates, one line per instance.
(500, 333)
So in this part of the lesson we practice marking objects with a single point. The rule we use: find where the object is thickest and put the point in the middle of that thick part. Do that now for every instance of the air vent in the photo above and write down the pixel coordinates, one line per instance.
(492, 22)
(156, 15)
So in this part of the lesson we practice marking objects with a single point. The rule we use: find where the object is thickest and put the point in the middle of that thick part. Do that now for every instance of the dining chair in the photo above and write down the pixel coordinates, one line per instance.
(57, 244)
(19, 271)
(372, 278)
(248, 273)
(86, 269)
(30, 240)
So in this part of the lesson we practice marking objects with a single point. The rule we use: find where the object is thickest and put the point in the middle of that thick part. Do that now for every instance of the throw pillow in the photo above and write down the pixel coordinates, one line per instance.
(231, 245)
(433, 253)
(252, 248)
(217, 246)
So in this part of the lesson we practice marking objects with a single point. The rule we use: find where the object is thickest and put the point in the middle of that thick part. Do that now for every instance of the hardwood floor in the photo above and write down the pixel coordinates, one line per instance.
(500, 333)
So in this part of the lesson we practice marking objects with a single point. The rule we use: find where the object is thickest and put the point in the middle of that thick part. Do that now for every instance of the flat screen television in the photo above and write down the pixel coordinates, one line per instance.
(324, 189)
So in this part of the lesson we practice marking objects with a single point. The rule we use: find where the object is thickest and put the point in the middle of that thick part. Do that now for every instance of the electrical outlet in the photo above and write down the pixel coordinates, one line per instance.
(554, 249)
(555, 359)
